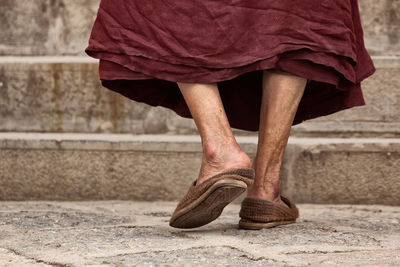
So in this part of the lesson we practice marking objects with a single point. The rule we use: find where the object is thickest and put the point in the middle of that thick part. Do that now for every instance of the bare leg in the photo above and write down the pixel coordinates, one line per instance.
(220, 149)
(281, 95)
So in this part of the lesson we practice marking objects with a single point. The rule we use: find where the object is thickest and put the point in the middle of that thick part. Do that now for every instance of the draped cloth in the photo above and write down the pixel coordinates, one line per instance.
(145, 47)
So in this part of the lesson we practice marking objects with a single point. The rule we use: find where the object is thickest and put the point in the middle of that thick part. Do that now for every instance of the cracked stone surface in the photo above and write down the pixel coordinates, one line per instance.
(127, 233)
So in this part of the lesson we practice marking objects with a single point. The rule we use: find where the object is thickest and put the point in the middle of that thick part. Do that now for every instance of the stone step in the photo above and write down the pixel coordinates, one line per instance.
(43, 166)
(60, 27)
(63, 94)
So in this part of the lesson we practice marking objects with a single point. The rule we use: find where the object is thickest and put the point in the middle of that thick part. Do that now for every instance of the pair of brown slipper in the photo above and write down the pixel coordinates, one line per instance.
(204, 203)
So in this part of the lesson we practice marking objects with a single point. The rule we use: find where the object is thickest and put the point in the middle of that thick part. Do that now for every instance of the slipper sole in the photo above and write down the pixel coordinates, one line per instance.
(209, 205)
(247, 225)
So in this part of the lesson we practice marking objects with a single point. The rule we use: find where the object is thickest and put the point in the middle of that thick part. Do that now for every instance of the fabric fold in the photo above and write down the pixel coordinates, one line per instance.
(144, 52)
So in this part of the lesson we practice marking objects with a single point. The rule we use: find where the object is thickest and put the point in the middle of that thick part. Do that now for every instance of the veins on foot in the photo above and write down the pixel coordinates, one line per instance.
(216, 160)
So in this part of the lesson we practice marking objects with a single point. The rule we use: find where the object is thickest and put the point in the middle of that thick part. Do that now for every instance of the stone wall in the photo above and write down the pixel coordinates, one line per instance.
(45, 27)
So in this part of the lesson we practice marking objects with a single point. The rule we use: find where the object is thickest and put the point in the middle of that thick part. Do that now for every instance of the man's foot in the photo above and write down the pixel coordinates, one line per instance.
(268, 191)
(264, 194)
(219, 159)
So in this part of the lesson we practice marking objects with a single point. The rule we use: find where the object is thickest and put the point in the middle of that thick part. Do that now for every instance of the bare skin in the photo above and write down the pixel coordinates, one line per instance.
(221, 152)
(281, 95)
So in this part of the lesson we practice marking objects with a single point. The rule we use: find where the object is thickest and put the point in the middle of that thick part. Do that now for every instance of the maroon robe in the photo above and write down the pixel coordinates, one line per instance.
(145, 47)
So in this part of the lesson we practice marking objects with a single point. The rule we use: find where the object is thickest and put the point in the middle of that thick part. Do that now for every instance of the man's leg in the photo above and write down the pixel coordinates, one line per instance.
(220, 149)
(281, 95)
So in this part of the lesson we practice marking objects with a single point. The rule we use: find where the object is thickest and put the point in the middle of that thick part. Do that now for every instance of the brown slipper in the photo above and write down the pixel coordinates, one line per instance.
(256, 214)
(204, 202)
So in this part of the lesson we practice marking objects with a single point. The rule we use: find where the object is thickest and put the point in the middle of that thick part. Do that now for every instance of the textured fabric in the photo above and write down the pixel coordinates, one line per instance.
(145, 47)
(264, 211)
(195, 191)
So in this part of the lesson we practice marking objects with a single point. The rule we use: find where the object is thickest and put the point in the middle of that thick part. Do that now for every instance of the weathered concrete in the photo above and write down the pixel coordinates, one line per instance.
(117, 233)
(61, 27)
(65, 95)
(74, 167)
(46, 27)
(381, 25)
(42, 94)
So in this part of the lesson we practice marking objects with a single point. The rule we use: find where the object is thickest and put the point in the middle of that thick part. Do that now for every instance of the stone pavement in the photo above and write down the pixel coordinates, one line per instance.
(127, 233)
